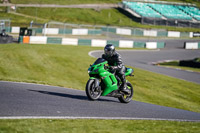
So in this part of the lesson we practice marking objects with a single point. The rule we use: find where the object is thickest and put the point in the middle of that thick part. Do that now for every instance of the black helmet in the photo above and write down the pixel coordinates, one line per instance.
(109, 50)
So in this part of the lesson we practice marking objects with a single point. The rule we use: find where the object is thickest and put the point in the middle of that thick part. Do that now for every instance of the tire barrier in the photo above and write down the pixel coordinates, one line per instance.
(123, 31)
(192, 45)
(50, 31)
(38, 40)
(6, 39)
(190, 63)
(15, 30)
(69, 41)
(90, 42)
(98, 43)
(173, 34)
(150, 33)
(126, 44)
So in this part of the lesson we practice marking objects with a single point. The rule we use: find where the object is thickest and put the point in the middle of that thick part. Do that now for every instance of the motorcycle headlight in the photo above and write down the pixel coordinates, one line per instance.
(89, 69)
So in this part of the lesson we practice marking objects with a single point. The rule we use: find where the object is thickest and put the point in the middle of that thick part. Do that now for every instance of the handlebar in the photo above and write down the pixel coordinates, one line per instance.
(108, 68)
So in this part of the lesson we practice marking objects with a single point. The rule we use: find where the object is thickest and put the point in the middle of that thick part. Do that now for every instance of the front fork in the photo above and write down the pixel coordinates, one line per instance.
(96, 81)
(96, 84)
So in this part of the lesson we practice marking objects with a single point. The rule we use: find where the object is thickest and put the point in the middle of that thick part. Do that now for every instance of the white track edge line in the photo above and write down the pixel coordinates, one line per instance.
(45, 85)
(94, 51)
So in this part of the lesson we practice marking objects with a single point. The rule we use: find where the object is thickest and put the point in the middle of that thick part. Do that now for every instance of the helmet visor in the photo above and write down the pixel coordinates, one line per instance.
(108, 52)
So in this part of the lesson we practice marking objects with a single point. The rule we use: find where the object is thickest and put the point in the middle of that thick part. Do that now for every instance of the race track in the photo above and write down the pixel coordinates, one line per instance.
(22, 100)
(144, 59)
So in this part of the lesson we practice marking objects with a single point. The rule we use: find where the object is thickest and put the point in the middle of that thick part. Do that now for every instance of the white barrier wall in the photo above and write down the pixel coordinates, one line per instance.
(125, 44)
(173, 34)
(191, 34)
(151, 45)
(123, 31)
(38, 39)
(150, 33)
(50, 31)
(15, 30)
(80, 32)
(69, 41)
(98, 43)
(191, 45)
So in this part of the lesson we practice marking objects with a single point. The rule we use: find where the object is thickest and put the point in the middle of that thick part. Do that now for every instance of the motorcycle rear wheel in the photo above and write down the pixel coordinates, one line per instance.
(126, 98)
(92, 92)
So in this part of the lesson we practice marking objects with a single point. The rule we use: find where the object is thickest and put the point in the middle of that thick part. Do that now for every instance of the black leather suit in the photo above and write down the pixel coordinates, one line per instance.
(116, 61)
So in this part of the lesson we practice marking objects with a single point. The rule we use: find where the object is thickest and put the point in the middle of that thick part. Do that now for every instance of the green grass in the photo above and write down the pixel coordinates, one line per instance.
(97, 126)
(171, 63)
(17, 20)
(79, 16)
(44, 64)
(67, 66)
(111, 17)
(175, 64)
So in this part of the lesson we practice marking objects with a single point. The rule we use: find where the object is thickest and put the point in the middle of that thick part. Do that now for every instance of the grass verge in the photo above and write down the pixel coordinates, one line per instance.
(67, 66)
(106, 17)
(112, 17)
(97, 126)
(19, 20)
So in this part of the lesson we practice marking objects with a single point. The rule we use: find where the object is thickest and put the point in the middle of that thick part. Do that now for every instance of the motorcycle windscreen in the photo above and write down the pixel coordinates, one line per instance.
(99, 60)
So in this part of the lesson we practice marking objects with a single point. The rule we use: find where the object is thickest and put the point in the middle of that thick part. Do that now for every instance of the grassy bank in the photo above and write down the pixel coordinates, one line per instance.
(112, 17)
(97, 126)
(17, 20)
(67, 66)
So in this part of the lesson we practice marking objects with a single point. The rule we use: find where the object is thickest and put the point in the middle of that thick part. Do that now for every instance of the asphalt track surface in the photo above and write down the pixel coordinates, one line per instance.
(23, 100)
(99, 6)
(145, 59)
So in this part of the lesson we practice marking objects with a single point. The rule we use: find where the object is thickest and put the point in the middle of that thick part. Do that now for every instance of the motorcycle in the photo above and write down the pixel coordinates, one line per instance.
(104, 82)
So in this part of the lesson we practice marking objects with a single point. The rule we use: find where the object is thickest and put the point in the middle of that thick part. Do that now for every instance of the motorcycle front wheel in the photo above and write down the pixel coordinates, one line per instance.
(126, 98)
(92, 92)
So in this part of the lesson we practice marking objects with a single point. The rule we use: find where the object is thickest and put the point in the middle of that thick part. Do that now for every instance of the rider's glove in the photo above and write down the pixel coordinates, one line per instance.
(112, 68)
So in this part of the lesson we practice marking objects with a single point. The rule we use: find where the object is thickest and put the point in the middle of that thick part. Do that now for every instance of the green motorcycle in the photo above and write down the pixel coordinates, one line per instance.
(103, 82)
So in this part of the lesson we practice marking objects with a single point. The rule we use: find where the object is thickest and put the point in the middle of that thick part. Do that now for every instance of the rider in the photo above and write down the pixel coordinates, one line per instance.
(115, 62)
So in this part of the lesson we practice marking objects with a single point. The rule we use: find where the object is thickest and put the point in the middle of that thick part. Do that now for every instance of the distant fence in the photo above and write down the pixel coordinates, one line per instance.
(72, 29)
(105, 31)
(5, 25)
(170, 22)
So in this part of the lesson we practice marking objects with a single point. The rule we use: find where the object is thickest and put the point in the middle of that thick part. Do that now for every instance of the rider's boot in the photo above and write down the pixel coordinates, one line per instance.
(123, 86)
